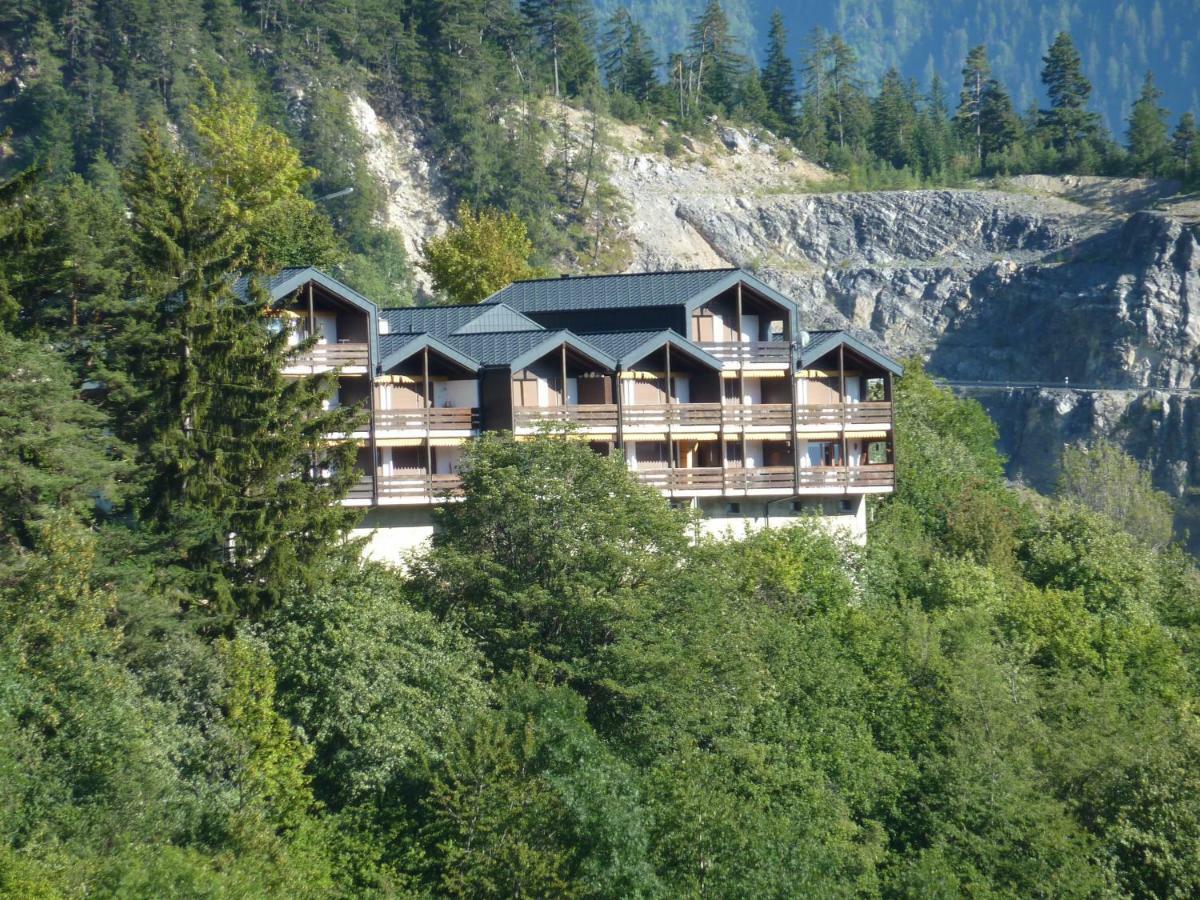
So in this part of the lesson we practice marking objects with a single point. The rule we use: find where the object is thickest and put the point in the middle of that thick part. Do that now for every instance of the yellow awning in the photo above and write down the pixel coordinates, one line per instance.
(633, 375)
(697, 436)
(398, 442)
(645, 436)
(764, 373)
(866, 435)
(767, 436)
(818, 435)
(447, 441)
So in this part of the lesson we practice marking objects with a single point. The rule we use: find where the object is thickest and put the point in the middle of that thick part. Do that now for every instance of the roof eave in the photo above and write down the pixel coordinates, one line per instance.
(433, 343)
(813, 352)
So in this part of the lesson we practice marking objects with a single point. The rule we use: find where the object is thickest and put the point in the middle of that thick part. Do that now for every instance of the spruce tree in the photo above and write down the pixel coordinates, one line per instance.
(1000, 126)
(848, 105)
(778, 78)
(893, 122)
(565, 32)
(976, 73)
(1185, 146)
(238, 470)
(1067, 123)
(815, 102)
(1149, 148)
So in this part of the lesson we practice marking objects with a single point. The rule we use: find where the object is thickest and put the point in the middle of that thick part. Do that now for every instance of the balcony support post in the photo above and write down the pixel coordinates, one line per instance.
(563, 348)
(371, 388)
(670, 432)
(795, 390)
(428, 446)
(620, 398)
(312, 316)
(842, 398)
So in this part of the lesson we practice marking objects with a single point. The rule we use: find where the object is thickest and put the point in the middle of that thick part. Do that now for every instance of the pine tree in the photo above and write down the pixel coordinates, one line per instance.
(1067, 123)
(848, 105)
(1185, 146)
(934, 140)
(1149, 148)
(714, 59)
(626, 57)
(238, 470)
(976, 73)
(778, 78)
(815, 102)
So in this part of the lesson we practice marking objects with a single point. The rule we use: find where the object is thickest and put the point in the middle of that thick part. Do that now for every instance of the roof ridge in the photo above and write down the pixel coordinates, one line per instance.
(435, 306)
(619, 275)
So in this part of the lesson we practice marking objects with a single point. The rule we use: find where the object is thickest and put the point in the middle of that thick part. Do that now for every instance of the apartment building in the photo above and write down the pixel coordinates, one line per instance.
(704, 382)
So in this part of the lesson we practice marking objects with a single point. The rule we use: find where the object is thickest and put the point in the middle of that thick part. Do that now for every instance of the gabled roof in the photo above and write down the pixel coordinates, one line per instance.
(822, 342)
(395, 348)
(285, 281)
(447, 320)
(688, 289)
(628, 347)
(518, 349)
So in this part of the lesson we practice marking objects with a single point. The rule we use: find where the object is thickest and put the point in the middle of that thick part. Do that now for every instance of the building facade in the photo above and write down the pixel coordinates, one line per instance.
(703, 381)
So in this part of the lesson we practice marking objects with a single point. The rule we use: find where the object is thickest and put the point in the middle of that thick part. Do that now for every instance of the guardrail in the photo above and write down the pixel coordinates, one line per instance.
(848, 476)
(748, 351)
(596, 415)
(432, 419)
(331, 356)
(406, 487)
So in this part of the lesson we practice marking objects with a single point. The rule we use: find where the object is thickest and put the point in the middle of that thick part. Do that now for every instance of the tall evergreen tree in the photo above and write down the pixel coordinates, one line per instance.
(238, 470)
(893, 121)
(934, 140)
(1185, 146)
(815, 102)
(715, 61)
(1000, 126)
(566, 34)
(1067, 123)
(976, 73)
(848, 105)
(1149, 147)
(778, 78)
(626, 57)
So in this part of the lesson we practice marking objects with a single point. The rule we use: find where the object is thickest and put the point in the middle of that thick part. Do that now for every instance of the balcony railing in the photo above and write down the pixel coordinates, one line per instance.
(776, 479)
(332, 356)
(870, 412)
(585, 415)
(402, 488)
(742, 352)
(432, 419)
(848, 476)
(660, 415)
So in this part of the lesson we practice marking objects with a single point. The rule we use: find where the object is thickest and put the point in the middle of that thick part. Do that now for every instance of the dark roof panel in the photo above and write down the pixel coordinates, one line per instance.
(609, 291)
(498, 348)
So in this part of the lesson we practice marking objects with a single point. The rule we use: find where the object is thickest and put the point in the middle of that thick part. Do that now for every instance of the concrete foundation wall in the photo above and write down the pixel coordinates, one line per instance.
(393, 533)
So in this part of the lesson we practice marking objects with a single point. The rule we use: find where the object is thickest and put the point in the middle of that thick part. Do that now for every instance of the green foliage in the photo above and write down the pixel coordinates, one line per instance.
(482, 253)
(1108, 481)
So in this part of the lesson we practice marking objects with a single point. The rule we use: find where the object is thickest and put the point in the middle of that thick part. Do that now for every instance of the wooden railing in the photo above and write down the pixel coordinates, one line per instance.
(848, 476)
(595, 415)
(869, 412)
(777, 479)
(406, 487)
(759, 415)
(660, 415)
(332, 356)
(748, 351)
(432, 419)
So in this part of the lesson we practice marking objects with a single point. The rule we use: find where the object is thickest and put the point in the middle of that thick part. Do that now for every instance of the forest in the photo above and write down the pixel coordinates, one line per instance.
(205, 691)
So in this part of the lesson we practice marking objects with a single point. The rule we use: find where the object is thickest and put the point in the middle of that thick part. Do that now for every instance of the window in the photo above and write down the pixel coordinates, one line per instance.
(846, 506)
(797, 506)
(733, 509)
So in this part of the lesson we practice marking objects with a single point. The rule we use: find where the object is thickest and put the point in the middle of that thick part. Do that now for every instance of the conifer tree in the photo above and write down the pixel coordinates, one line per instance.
(1000, 126)
(848, 105)
(1185, 146)
(815, 102)
(626, 57)
(893, 121)
(976, 73)
(1149, 147)
(238, 470)
(1067, 123)
(715, 61)
(933, 138)
(778, 78)
(565, 32)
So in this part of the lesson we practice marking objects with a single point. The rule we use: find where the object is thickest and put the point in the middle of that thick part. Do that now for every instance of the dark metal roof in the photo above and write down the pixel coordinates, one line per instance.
(395, 348)
(822, 342)
(628, 347)
(517, 349)
(600, 292)
(447, 320)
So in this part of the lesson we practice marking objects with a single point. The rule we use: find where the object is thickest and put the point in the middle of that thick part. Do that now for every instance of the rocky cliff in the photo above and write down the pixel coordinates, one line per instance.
(1063, 305)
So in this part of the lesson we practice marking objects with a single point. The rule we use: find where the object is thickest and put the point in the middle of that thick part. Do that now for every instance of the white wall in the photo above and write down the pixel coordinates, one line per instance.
(392, 534)
(720, 523)
(460, 394)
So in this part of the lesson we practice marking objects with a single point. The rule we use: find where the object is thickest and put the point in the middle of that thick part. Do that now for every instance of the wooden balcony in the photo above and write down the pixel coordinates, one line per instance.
(839, 415)
(405, 489)
(777, 480)
(584, 416)
(324, 357)
(851, 477)
(741, 353)
(659, 416)
(432, 419)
